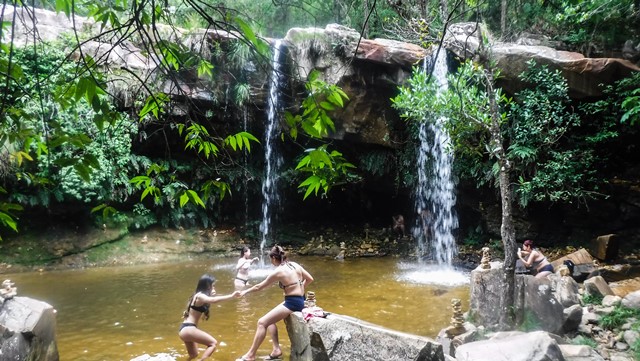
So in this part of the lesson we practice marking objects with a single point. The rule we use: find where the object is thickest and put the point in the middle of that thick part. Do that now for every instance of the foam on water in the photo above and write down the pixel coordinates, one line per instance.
(438, 275)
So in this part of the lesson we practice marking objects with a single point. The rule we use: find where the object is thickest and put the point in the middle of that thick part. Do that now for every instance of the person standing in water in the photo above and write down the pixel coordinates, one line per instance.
(292, 278)
(242, 268)
(198, 307)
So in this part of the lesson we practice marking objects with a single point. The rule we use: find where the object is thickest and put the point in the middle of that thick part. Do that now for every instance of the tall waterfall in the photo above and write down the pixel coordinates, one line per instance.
(273, 159)
(435, 195)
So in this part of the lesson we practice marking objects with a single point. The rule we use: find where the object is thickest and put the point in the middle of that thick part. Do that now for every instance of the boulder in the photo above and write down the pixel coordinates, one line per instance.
(485, 290)
(536, 300)
(566, 290)
(597, 286)
(605, 248)
(537, 305)
(27, 330)
(512, 346)
(343, 338)
(579, 353)
(632, 300)
(572, 317)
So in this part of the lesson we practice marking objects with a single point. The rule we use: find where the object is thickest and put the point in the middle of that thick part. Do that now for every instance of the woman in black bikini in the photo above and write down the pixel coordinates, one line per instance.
(197, 307)
(292, 279)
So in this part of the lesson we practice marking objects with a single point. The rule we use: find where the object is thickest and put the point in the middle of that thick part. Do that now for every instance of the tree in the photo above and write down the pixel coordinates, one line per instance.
(531, 146)
(177, 62)
(472, 104)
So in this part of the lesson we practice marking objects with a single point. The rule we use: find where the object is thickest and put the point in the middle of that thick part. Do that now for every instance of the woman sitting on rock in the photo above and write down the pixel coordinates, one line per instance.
(535, 260)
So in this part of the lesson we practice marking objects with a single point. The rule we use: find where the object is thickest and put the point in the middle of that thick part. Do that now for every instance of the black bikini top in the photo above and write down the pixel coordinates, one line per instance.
(202, 308)
(300, 281)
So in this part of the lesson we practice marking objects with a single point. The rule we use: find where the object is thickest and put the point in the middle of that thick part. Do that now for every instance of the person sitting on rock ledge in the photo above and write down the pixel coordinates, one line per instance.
(535, 260)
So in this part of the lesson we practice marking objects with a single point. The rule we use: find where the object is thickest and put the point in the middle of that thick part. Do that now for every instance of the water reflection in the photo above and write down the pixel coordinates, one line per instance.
(121, 313)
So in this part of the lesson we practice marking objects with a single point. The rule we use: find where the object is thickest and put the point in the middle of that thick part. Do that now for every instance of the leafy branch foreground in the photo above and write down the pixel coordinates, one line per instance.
(66, 140)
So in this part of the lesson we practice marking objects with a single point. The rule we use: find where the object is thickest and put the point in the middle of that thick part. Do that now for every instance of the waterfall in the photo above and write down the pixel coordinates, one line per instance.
(246, 175)
(273, 159)
(435, 198)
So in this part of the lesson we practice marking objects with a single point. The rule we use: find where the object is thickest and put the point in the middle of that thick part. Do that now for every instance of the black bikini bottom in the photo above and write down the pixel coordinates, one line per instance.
(186, 324)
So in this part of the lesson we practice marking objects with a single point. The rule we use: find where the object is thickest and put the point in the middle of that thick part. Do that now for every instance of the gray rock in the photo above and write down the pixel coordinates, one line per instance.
(28, 330)
(342, 338)
(632, 300)
(579, 353)
(597, 286)
(534, 346)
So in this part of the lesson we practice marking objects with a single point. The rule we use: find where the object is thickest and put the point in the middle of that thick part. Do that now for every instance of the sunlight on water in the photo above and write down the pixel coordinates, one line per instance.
(432, 275)
(119, 313)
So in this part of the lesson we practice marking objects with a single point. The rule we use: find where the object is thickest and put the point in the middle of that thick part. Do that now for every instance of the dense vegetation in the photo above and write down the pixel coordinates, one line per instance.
(71, 141)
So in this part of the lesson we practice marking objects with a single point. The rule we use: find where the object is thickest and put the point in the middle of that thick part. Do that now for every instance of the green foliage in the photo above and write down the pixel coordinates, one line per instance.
(618, 317)
(326, 168)
(83, 133)
(635, 349)
(621, 103)
(465, 105)
(8, 213)
(475, 237)
(583, 340)
(529, 322)
(594, 25)
(591, 299)
(552, 160)
(142, 217)
(377, 163)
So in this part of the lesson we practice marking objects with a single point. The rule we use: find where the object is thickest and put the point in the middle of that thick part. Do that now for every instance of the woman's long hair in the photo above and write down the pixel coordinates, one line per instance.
(278, 253)
(243, 250)
(204, 286)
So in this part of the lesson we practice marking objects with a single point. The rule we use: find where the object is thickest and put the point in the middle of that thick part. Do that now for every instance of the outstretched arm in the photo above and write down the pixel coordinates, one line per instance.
(214, 299)
(273, 277)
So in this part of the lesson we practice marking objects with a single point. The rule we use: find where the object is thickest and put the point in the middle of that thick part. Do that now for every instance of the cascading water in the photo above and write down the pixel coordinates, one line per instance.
(273, 159)
(435, 197)
(245, 179)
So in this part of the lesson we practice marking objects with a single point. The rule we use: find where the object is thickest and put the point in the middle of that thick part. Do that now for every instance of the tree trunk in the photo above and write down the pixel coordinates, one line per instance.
(507, 230)
(365, 24)
(503, 18)
(444, 11)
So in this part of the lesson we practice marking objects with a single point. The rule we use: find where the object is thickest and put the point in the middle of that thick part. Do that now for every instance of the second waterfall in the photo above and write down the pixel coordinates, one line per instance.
(435, 193)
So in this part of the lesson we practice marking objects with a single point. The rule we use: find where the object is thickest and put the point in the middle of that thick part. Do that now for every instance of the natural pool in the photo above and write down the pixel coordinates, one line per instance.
(123, 312)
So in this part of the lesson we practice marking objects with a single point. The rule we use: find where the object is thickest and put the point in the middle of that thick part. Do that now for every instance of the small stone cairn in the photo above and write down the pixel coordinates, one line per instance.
(311, 299)
(486, 258)
(343, 250)
(7, 291)
(457, 321)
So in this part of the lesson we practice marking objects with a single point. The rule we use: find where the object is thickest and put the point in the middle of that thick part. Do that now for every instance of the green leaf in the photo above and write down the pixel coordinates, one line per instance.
(8, 221)
(64, 6)
(184, 199)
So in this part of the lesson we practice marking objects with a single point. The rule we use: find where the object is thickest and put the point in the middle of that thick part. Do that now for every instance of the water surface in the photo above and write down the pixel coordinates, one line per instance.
(120, 313)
